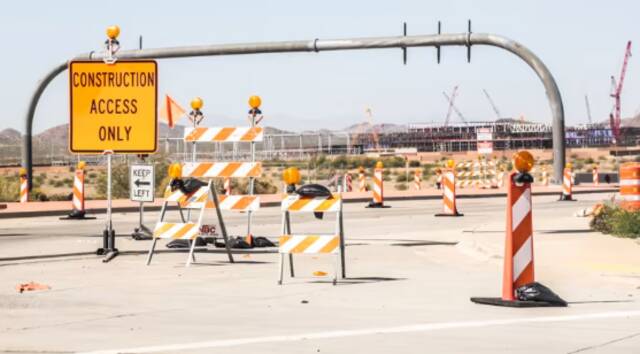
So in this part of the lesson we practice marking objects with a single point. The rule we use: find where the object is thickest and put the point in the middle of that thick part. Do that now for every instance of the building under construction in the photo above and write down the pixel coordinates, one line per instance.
(505, 134)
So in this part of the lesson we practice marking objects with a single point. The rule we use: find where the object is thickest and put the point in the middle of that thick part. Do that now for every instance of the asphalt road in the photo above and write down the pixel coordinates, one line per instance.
(409, 279)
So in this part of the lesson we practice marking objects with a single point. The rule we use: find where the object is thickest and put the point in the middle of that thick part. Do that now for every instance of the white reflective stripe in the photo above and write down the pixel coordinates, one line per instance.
(78, 185)
(630, 197)
(522, 258)
(521, 208)
(244, 170)
(319, 244)
(630, 182)
(228, 202)
(448, 193)
(291, 243)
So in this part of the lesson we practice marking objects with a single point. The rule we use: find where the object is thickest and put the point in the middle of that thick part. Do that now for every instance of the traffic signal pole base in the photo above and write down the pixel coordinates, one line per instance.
(108, 248)
(497, 301)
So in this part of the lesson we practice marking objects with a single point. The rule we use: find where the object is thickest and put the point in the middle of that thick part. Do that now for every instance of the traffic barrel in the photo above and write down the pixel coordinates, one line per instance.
(417, 179)
(378, 187)
(24, 185)
(449, 191)
(630, 186)
(596, 176)
(567, 183)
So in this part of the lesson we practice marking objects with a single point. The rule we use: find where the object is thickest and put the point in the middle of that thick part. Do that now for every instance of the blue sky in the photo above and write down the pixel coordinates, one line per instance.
(582, 43)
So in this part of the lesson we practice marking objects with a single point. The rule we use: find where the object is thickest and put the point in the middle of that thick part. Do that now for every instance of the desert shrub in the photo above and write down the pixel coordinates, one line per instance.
(401, 186)
(9, 189)
(611, 219)
(414, 163)
(402, 178)
(58, 184)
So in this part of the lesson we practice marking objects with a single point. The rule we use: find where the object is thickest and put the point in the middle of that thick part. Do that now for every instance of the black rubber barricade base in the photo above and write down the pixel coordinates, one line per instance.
(497, 301)
(69, 217)
(456, 214)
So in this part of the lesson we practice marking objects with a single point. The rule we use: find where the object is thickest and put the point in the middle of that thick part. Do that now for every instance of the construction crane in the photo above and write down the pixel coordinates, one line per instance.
(454, 93)
(616, 90)
(586, 102)
(493, 105)
(365, 128)
(452, 107)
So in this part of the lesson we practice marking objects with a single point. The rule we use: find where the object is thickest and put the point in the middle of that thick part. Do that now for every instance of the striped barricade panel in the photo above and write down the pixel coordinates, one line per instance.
(309, 244)
(182, 231)
(227, 202)
(221, 169)
(224, 134)
(297, 203)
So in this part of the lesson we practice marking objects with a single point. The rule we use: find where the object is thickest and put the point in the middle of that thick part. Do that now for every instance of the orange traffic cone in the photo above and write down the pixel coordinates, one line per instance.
(449, 191)
(518, 254)
(567, 184)
(77, 199)
(24, 186)
(378, 188)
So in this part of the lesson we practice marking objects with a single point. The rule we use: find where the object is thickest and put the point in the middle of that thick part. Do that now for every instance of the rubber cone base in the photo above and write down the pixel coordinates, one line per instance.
(566, 198)
(497, 301)
(377, 205)
(77, 215)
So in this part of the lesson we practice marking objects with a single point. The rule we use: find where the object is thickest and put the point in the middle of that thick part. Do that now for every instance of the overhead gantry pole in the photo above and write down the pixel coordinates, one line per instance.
(318, 45)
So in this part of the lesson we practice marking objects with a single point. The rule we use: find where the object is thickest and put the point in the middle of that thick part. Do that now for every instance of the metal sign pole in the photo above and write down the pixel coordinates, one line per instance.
(109, 249)
(251, 179)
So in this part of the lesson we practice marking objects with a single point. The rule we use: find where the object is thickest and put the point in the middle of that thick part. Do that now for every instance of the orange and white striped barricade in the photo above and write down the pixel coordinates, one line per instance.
(417, 179)
(24, 187)
(630, 186)
(596, 176)
(314, 244)
(227, 186)
(77, 199)
(449, 194)
(223, 134)
(567, 185)
(362, 184)
(233, 135)
(377, 193)
(519, 255)
(545, 178)
(348, 182)
(202, 199)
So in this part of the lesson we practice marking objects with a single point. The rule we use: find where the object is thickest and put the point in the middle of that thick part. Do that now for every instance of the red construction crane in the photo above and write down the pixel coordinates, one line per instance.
(616, 90)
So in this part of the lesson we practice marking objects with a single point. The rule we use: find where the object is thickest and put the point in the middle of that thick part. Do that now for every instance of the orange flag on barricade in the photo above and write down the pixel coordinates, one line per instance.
(170, 111)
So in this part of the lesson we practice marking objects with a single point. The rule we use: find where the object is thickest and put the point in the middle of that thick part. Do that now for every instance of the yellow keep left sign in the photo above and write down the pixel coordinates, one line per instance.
(113, 107)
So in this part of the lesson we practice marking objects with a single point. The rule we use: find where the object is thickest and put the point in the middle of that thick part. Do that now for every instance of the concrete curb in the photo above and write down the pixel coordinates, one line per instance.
(130, 209)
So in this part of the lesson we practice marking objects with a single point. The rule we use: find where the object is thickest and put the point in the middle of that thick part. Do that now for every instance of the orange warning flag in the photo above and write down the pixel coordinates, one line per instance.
(170, 111)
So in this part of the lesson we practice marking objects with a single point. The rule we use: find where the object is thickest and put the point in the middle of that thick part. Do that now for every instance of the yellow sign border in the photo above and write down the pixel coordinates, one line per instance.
(115, 151)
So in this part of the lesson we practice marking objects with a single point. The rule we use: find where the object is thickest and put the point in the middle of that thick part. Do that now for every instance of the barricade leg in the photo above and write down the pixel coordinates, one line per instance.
(191, 255)
(153, 247)
(281, 268)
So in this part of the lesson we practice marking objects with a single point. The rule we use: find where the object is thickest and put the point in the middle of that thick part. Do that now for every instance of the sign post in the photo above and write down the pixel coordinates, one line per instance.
(142, 189)
(113, 110)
